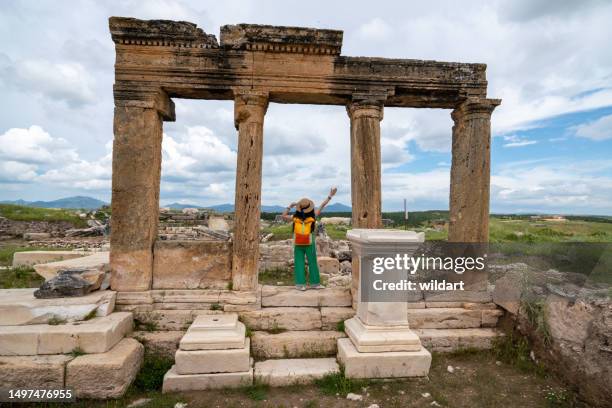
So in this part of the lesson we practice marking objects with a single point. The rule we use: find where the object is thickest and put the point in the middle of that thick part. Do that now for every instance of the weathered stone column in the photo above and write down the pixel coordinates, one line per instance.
(135, 189)
(471, 171)
(366, 173)
(366, 163)
(249, 111)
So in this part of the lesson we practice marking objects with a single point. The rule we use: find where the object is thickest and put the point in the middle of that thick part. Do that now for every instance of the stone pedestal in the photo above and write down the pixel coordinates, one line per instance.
(214, 353)
(380, 342)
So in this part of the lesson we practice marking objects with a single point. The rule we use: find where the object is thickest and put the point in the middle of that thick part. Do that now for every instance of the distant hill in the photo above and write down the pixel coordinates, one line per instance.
(179, 206)
(87, 203)
(338, 207)
(228, 207)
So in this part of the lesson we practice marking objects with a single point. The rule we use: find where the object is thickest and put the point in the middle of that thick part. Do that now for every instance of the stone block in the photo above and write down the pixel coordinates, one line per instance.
(278, 373)
(97, 260)
(214, 339)
(97, 335)
(444, 318)
(272, 296)
(370, 339)
(33, 236)
(328, 265)
(231, 360)
(186, 296)
(295, 344)
(472, 296)
(170, 319)
(134, 298)
(30, 258)
(447, 340)
(105, 375)
(391, 364)
(446, 305)
(490, 317)
(287, 318)
(33, 372)
(174, 382)
(191, 265)
(163, 343)
(20, 307)
(508, 291)
(331, 316)
(415, 305)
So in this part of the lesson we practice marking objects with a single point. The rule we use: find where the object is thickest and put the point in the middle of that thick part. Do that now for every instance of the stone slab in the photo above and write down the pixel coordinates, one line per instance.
(199, 339)
(20, 307)
(394, 364)
(328, 265)
(278, 373)
(97, 260)
(97, 335)
(331, 316)
(472, 296)
(105, 375)
(287, 318)
(295, 344)
(224, 322)
(213, 361)
(444, 318)
(162, 343)
(169, 319)
(33, 371)
(369, 339)
(448, 340)
(272, 296)
(29, 258)
(174, 382)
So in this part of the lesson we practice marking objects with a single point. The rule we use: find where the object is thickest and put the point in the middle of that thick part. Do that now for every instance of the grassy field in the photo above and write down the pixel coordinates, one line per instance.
(500, 230)
(24, 213)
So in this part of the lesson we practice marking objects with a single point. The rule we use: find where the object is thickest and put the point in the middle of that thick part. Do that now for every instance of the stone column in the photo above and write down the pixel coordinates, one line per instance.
(366, 163)
(380, 343)
(135, 186)
(471, 171)
(249, 111)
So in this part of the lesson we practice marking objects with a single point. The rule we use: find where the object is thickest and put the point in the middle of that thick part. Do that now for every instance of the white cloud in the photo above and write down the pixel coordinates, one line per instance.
(517, 141)
(600, 129)
(376, 29)
(34, 145)
(66, 81)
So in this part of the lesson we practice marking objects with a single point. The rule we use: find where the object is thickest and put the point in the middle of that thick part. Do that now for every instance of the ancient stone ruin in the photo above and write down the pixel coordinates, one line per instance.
(254, 65)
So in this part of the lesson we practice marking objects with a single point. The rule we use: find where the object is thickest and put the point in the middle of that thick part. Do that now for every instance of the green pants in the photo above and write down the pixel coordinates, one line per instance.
(299, 254)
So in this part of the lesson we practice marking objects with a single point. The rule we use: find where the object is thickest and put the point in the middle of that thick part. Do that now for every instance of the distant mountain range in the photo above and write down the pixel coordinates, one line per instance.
(90, 203)
(87, 203)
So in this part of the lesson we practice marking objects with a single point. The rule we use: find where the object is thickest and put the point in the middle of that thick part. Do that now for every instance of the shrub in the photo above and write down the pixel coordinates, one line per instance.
(151, 374)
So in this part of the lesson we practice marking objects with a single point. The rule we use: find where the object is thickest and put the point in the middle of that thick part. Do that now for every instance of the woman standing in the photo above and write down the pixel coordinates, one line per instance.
(304, 245)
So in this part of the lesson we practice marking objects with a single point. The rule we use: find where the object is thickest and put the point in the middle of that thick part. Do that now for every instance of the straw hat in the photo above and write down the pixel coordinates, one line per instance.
(305, 205)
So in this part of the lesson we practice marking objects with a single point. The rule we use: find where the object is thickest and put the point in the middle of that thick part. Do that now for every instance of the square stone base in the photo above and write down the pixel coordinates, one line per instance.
(174, 382)
(213, 361)
(198, 338)
(391, 364)
(372, 339)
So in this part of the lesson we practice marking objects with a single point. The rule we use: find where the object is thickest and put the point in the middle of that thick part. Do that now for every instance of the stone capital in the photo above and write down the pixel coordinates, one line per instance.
(145, 97)
(249, 106)
(471, 107)
(356, 110)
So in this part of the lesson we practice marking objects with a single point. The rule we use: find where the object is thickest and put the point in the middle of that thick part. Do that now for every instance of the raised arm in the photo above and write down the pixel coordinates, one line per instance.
(332, 192)
(285, 214)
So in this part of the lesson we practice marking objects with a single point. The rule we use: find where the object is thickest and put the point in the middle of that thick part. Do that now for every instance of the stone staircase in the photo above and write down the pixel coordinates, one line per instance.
(76, 343)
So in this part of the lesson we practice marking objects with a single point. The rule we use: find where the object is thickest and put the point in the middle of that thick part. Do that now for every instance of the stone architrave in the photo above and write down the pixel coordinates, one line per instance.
(135, 186)
(249, 111)
(380, 331)
(471, 171)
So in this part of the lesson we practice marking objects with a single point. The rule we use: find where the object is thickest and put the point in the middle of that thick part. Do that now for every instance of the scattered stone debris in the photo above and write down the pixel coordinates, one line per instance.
(373, 406)
(450, 369)
(71, 283)
(425, 395)
(139, 402)
(354, 397)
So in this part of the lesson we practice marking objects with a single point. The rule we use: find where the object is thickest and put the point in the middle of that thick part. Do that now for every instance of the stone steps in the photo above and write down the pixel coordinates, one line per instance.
(452, 318)
(104, 375)
(295, 344)
(97, 335)
(288, 296)
(447, 340)
(278, 373)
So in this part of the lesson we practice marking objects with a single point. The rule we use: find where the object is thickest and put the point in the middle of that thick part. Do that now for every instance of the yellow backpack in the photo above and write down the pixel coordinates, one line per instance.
(302, 230)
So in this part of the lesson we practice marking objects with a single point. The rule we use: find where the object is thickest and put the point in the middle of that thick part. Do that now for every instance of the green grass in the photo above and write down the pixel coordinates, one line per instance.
(337, 383)
(76, 352)
(515, 350)
(21, 277)
(24, 213)
(257, 391)
(283, 231)
(272, 276)
(6, 252)
(151, 374)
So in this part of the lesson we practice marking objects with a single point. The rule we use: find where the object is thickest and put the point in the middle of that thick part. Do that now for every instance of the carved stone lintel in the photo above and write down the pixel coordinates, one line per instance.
(249, 106)
(144, 97)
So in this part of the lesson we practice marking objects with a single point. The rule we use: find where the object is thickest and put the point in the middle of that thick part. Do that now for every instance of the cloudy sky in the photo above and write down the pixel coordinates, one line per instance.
(549, 61)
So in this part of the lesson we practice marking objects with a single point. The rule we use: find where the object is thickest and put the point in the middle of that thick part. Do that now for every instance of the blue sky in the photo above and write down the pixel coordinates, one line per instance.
(548, 61)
